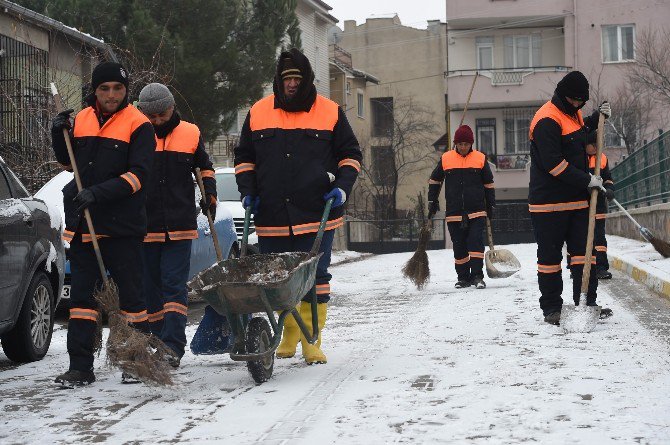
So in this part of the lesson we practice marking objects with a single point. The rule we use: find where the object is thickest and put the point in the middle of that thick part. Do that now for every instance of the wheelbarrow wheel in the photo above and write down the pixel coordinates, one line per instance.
(259, 338)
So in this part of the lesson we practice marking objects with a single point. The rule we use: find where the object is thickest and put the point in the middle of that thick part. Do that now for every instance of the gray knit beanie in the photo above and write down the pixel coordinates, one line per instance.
(155, 98)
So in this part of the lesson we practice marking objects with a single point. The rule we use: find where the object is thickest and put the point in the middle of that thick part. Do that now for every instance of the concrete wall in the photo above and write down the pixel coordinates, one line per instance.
(655, 218)
(410, 63)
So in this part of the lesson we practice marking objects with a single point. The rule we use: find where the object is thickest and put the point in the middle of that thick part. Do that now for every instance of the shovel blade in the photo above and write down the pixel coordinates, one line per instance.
(501, 263)
(580, 318)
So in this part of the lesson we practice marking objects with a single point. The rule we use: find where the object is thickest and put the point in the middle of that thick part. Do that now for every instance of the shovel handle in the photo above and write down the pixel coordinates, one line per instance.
(588, 254)
(489, 234)
(215, 236)
(58, 101)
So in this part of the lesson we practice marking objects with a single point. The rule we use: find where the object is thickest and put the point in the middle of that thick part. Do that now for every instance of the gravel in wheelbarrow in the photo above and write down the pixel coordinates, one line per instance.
(239, 286)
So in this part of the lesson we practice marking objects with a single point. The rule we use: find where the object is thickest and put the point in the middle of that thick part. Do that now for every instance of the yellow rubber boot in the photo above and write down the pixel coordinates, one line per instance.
(313, 353)
(289, 338)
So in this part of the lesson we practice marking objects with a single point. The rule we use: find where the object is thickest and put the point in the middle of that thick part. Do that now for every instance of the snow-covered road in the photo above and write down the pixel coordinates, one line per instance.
(438, 366)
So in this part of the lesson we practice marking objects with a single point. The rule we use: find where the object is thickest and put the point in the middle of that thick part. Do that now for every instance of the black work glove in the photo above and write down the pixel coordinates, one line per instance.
(209, 204)
(84, 199)
(607, 192)
(433, 207)
(489, 212)
(61, 121)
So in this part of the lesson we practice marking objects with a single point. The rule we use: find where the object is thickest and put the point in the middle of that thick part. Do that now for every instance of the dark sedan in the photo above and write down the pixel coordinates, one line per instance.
(32, 264)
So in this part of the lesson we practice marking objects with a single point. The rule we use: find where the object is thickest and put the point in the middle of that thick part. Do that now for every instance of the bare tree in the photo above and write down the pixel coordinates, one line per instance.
(652, 70)
(630, 112)
(398, 149)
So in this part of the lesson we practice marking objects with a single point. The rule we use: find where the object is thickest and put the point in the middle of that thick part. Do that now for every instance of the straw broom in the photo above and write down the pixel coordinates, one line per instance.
(127, 348)
(417, 269)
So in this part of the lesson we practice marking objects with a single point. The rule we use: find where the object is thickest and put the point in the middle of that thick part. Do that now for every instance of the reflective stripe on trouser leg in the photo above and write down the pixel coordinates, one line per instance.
(151, 285)
(475, 244)
(175, 262)
(550, 231)
(601, 245)
(460, 245)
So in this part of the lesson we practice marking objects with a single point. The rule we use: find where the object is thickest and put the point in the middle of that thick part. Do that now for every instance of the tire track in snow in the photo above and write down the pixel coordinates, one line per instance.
(296, 422)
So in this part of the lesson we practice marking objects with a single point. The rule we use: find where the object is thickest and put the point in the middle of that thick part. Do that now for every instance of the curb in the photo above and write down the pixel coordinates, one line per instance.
(642, 276)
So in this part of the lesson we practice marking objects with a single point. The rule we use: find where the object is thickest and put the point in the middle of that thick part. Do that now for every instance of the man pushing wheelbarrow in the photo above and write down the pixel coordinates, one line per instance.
(296, 151)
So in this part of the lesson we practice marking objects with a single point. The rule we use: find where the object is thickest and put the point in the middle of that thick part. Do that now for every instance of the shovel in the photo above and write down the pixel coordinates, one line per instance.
(583, 318)
(500, 263)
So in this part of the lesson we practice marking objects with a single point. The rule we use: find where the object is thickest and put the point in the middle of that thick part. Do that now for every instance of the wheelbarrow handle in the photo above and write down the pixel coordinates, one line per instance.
(322, 227)
(245, 233)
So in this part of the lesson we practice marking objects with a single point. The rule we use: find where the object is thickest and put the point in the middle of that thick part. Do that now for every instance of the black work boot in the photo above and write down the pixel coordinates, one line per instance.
(604, 274)
(73, 378)
(553, 318)
(478, 282)
(462, 283)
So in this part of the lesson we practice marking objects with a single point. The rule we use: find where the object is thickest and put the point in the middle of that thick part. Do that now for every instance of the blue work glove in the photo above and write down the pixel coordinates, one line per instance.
(253, 201)
(339, 195)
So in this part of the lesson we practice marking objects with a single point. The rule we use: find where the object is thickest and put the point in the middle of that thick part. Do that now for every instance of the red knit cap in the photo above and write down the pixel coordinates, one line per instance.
(464, 134)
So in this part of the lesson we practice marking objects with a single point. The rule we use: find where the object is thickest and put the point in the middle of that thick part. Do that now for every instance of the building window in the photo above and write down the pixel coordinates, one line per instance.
(348, 87)
(523, 51)
(383, 165)
(382, 116)
(516, 124)
(618, 43)
(484, 53)
(486, 136)
(359, 108)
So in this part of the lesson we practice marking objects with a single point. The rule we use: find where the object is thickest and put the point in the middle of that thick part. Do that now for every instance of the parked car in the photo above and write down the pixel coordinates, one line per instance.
(32, 269)
(229, 198)
(203, 254)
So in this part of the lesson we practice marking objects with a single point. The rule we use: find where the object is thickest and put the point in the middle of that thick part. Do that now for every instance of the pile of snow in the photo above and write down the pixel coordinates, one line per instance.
(52, 194)
(13, 207)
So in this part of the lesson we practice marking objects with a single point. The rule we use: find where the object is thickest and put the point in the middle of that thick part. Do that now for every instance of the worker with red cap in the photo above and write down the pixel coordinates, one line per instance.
(470, 198)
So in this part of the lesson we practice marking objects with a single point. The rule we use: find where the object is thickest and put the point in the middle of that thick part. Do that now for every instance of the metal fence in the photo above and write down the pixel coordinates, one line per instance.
(641, 179)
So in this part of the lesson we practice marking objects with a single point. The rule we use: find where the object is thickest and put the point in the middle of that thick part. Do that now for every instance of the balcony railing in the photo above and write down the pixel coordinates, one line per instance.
(507, 76)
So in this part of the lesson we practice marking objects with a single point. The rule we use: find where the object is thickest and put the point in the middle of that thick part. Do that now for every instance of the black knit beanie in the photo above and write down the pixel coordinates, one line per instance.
(574, 85)
(108, 72)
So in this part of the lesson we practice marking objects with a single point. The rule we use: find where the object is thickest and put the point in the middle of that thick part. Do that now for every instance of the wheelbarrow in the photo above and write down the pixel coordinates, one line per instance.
(266, 283)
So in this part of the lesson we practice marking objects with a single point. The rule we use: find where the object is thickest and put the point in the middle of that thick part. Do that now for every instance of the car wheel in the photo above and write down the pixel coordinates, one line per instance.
(30, 338)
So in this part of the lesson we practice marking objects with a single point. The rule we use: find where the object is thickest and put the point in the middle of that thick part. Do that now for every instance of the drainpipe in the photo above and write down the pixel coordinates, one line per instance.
(575, 46)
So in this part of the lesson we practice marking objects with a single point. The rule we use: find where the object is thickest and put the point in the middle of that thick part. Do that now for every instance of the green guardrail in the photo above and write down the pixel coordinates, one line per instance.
(643, 178)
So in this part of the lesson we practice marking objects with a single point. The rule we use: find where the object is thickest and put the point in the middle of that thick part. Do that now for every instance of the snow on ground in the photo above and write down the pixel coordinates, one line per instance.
(434, 366)
(640, 254)
(342, 256)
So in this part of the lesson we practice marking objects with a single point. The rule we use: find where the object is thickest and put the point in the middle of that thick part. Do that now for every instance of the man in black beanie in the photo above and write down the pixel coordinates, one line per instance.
(113, 146)
(559, 190)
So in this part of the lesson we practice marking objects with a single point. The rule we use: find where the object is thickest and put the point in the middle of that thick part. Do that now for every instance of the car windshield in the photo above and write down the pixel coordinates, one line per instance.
(226, 187)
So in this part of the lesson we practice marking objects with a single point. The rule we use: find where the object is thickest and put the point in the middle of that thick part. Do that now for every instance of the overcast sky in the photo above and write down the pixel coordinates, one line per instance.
(411, 12)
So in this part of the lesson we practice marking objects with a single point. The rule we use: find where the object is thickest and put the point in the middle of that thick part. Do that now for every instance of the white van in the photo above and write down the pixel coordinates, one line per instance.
(229, 197)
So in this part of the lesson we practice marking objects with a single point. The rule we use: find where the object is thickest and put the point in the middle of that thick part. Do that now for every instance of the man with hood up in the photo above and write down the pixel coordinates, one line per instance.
(296, 151)
(559, 188)
(113, 146)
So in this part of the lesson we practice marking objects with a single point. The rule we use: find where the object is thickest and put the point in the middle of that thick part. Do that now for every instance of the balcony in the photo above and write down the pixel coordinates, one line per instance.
(465, 14)
(503, 87)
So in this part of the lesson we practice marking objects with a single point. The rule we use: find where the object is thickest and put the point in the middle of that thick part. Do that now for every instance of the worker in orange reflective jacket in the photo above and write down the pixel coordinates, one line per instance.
(172, 215)
(470, 197)
(113, 148)
(559, 190)
(296, 151)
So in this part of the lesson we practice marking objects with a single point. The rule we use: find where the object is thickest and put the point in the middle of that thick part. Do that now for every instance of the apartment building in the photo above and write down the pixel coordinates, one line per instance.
(521, 49)
(410, 64)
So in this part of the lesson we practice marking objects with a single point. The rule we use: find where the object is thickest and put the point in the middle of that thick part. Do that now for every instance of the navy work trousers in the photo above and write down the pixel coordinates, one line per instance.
(468, 241)
(166, 266)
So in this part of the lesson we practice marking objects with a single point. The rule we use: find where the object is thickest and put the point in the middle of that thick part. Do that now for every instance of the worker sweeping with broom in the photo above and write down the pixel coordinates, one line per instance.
(470, 198)
(113, 147)
(559, 191)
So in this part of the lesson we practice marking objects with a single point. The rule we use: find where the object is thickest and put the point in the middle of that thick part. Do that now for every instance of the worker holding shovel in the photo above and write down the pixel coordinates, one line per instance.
(172, 214)
(470, 198)
(113, 149)
(559, 190)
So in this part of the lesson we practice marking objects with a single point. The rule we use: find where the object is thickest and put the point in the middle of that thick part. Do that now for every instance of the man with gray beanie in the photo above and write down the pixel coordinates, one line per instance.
(171, 215)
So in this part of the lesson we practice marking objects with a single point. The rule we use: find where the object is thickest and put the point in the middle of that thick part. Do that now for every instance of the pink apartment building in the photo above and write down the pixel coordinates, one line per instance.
(521, 49)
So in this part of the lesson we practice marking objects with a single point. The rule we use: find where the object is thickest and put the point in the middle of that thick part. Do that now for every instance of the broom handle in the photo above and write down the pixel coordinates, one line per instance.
(627, 214)
(588, 255)
(215, 236)
(87, 215)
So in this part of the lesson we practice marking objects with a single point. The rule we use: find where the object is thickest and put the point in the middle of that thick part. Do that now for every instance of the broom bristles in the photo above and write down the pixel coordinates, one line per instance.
(129, 349)
(661, 246)
(417, 269)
